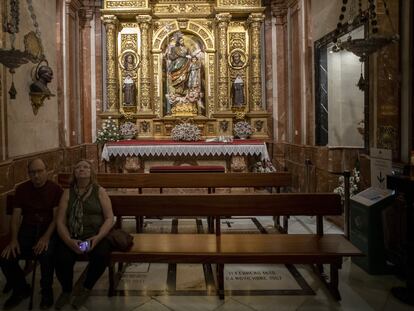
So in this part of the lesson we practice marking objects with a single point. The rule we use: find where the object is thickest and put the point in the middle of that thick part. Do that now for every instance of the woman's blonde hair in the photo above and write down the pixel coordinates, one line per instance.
(93, 178)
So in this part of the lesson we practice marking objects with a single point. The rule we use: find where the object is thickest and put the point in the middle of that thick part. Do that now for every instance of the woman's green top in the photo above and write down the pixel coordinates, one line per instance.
(93, 217)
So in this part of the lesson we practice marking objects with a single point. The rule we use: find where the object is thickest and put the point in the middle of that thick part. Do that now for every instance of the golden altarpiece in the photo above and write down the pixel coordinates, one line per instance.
(170, 60)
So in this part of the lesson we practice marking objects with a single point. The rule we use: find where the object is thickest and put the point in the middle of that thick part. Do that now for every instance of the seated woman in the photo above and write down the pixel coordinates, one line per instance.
(84, 215)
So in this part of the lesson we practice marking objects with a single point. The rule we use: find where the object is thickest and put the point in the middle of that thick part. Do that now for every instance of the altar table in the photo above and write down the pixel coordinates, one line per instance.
(128, 148)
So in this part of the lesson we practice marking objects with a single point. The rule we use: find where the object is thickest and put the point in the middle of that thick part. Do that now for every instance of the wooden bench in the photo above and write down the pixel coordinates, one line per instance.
(223, 249)
(209, 181)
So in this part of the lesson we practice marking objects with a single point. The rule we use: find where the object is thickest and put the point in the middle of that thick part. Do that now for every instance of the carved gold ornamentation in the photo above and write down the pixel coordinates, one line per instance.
(182, 23)
(129, 25)
(237, 40)
(238, 164)
(239, 3)
(255, 22)
(184, 110)
(110, 22)
(129, 42)
(222, 24)
(159, 36)
(113, 4)
(212, 73)
(199, 9)
(144, 23)
(157, 84)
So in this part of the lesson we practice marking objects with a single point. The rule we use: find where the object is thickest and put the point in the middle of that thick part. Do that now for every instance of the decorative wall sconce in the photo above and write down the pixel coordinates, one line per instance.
(38, 89)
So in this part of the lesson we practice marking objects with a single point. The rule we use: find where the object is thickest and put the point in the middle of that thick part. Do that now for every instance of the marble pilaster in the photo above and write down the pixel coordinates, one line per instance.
(85, 17)
(279, 10)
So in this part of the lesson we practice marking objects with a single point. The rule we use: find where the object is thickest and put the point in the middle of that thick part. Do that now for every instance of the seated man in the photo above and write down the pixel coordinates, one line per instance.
(32, 232)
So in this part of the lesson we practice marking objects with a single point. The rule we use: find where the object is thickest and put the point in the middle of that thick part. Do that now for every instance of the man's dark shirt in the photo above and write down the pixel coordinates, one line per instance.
(37, 204)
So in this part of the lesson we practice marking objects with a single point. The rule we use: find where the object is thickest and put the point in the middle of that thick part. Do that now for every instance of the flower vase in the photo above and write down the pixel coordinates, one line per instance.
(243, 136)
(129, 136)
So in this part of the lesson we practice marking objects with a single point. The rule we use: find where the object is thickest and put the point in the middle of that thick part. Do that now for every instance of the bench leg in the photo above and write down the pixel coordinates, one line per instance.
(114, 277)
(333, 284)
(210, 222)
(33, 285)
(277, 223)
(285, 224)
(139, 224)
(220, 280)
(111, 277)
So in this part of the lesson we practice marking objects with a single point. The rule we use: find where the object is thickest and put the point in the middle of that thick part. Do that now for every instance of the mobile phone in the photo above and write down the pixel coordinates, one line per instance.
(84, 246)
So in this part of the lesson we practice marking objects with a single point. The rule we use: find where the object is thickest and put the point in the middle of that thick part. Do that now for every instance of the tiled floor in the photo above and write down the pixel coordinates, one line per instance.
(360, 291)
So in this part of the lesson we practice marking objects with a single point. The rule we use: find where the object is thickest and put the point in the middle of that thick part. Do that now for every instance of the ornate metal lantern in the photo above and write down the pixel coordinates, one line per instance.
(374, 42)
(13, 58)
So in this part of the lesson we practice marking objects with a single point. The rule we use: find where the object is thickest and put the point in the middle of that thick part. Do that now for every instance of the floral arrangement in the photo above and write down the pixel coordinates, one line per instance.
(108, 132)
(186, 131)
(243, 129)
(265, 166)
(128, 130)
(353, 184)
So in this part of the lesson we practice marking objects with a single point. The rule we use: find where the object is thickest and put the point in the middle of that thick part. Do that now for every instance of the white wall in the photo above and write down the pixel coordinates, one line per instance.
(345, 99)
(29, 133)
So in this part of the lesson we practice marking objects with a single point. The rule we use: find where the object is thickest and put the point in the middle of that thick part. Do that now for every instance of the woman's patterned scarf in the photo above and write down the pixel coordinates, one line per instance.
(76, 212)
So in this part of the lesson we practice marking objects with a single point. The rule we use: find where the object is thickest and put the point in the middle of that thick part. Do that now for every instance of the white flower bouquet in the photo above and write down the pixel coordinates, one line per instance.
(265, 166)
(108, 132)
(242, 129)
(353, 184)
(186, 132)
(128, 130)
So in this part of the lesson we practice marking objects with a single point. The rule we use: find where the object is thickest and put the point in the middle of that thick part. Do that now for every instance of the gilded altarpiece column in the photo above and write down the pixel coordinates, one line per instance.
(255, 23)
(223, 20)
(144, 22)
(111, 22)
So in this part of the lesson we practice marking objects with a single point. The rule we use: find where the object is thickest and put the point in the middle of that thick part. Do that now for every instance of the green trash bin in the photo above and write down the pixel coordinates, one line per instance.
(366, 229)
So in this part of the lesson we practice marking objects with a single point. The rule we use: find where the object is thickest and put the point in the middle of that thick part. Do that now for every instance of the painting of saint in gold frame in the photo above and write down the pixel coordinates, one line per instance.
(237, 59)
(129, 60)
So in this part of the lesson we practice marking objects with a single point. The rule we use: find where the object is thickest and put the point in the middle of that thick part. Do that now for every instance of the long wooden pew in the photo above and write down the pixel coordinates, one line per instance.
(223, 249)
(187, 180)
(274, 181)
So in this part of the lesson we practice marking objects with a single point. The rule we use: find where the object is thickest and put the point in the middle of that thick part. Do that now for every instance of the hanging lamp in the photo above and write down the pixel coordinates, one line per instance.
(13, 58)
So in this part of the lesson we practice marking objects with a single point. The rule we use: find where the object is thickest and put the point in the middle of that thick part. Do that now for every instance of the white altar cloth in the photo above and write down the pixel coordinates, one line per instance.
(171, 148)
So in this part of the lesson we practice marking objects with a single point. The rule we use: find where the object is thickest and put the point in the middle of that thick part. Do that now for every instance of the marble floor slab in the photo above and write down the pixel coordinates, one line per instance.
(258, 287)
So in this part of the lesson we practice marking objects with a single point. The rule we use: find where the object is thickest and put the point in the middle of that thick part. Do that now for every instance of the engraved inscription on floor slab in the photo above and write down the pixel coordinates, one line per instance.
(258, 277)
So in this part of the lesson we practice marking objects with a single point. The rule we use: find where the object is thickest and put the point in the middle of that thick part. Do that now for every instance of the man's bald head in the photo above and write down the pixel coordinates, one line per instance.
(37, 172)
